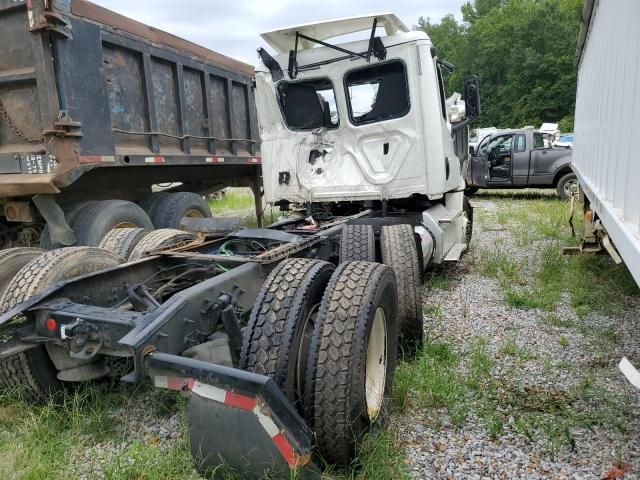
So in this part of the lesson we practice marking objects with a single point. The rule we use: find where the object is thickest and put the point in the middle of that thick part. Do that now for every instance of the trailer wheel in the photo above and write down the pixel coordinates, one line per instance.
(399, 251)
(71, 214)
(352, 358)
(276, 339)
(150, 203)
(468, 210)
(31, 371)
(173, 207)
(159, 240)
(357, 243)
(565, 184)
(122, 241)
(12, 260)
(95, 222)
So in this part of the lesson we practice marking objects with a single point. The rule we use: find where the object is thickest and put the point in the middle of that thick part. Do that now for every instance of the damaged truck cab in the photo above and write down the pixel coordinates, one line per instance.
(364, 122)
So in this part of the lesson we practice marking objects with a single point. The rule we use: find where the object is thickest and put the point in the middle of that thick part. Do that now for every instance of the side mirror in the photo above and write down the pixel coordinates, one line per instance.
(472, 150)
(472, 97)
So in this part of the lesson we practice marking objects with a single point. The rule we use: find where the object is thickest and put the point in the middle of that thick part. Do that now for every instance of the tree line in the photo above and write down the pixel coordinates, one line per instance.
(523, 51)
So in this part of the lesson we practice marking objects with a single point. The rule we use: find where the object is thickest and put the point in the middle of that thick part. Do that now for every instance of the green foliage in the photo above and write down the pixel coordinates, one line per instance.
(523, 52)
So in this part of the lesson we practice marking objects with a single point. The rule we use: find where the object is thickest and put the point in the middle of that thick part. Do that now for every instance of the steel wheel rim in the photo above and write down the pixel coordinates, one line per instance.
(125, 225)
(567, 186)
(194, 213)
(376, 365)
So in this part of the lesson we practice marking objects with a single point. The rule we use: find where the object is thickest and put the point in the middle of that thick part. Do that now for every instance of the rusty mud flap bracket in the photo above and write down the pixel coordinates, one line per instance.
(237, 419)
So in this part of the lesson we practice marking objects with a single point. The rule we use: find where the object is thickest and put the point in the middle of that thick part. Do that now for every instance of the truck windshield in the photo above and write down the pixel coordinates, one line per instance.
(308, 105)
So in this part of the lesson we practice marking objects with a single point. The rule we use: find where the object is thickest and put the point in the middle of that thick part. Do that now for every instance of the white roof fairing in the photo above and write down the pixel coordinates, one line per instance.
(283, 39)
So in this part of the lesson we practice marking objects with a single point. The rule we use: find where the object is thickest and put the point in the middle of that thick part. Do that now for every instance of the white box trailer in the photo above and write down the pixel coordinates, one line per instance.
(607, 114)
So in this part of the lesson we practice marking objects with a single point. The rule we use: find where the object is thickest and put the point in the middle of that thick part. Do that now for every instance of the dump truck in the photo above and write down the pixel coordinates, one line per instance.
(96, 109)
(284, 339)
(604, 159)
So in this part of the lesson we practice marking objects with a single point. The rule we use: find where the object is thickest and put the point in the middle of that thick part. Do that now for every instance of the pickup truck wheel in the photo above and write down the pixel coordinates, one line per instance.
(71, 213)
(31, 371)
(352, 358)
(12, 260)
(399, 251)
(357, 243)
(565, 185)
(173, 207)
(96, 221)
(276, 339)
(161, 239)
(122, 241)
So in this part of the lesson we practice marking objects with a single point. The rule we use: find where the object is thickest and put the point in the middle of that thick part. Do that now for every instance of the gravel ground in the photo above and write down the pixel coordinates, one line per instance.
(474, 306)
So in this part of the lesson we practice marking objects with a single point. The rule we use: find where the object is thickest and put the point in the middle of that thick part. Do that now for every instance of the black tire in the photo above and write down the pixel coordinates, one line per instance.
(31, 371)
(357, 243)
(71, 214)
(122, 241)
(468, 210)
(562, 187)
(150, 203)
(471, 191)
(12, 260)
(335, 386)
(173, 207)
(278, 334)
(399, 251)
(95, 222)
(159, 240)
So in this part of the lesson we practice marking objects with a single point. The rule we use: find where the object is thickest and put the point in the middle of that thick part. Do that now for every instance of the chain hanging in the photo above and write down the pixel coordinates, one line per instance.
(17, 131)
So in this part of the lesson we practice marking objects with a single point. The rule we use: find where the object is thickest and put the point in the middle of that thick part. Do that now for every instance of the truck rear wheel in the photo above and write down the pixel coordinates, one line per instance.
(12, 260)
(565, 185)
(173, 207)
(122, 241)
(276, 339)
(352, 358)
(150, 203)
(32, 371)
(96, 221)
(159, 240)
(399, 251)
(357, 243)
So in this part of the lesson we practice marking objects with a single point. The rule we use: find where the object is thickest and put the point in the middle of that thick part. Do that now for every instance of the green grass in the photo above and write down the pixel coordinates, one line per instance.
(234, 201)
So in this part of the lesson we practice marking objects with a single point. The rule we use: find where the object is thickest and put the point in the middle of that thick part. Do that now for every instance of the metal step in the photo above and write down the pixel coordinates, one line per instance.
(449, 217)
(456, 252)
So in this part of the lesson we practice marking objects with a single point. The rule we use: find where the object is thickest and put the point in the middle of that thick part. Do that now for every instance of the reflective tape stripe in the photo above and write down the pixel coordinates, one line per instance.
(239, 401)
(156, 159)
(269, 425)
(286, 450)
(209, 391)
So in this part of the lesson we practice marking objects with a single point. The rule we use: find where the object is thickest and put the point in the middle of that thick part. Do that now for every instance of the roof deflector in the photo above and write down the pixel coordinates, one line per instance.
(283, 40)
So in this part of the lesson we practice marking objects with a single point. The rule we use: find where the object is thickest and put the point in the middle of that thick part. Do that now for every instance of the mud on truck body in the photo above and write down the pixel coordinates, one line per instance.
(284, 338)
(96, 108)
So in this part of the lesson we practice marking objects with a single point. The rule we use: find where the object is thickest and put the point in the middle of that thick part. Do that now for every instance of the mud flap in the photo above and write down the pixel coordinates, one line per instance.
(237, 419)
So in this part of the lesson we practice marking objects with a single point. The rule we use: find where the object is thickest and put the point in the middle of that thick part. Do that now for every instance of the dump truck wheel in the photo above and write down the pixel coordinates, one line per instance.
(357, 243)
(399, 251)
(150, 203)
(159, 240)
(95, 222)
(172, 208)
(71, 214)
(352, 358)
(277, 337)
(31, 371)
(564, 185)
(122, 241)
(468, 210)
(12, 260)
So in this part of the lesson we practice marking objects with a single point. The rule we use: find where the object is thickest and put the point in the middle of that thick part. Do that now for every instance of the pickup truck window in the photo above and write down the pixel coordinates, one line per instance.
(538, 140)
(521, 143)
(377, 93)
(308, 105)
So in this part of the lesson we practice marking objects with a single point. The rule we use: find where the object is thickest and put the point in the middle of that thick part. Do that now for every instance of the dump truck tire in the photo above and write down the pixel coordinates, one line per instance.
(357, 243)
(172, 208)
(399, 251)
(71, 214)
(159, 240)
(279, 330)
(468, 210)
(95, 222)
(31, 371)
(352, 358)
(563, 185)
(122, 241)
(150, 203)
(12, 260)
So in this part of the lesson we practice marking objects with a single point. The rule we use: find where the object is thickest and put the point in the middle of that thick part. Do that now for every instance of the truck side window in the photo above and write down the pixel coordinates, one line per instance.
(377, 93)
(521, 143)
(309, 104)
(538, 140)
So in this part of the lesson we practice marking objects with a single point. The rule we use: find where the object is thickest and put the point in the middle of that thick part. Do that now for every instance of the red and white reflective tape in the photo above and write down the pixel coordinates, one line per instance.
(254, 160)
(214, 159)
(236, 400)
(155, 159)
(96, 159)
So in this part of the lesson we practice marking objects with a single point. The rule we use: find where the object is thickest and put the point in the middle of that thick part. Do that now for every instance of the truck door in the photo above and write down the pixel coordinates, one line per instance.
(542, 161)
(500, 159)
(520, 159)
(478, 165)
